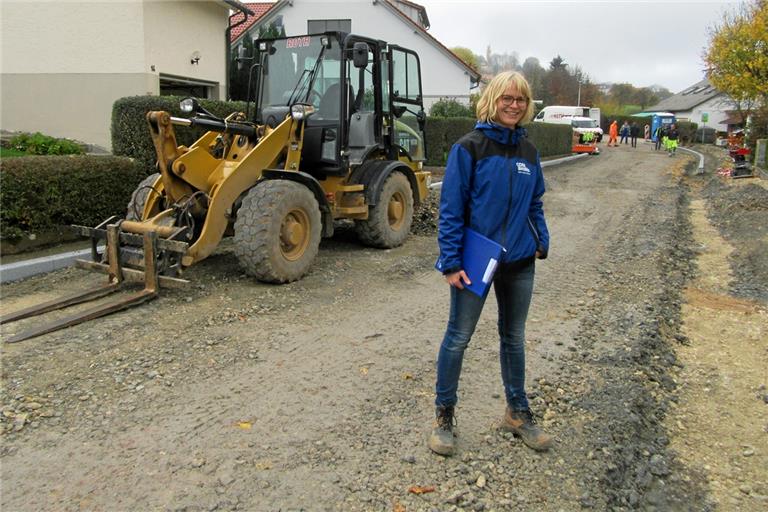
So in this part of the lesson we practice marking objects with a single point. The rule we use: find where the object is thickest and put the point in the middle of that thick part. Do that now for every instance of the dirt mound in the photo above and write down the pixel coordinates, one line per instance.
(739, 212)
(751, 197)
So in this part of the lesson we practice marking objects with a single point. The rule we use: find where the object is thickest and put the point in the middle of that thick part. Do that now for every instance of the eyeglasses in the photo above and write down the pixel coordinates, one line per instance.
(508, 100)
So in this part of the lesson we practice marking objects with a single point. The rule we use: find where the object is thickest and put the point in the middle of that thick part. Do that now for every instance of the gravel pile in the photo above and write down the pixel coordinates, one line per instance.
(425, 216)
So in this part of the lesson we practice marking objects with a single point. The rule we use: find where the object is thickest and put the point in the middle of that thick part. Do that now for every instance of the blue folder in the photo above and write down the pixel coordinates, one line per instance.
(480, 257)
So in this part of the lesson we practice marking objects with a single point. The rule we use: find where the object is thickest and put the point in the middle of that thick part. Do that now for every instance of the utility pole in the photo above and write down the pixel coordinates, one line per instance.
(578, 99)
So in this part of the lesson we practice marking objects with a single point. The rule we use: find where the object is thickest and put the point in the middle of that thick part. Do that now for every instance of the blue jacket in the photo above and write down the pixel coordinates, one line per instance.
(493, 183)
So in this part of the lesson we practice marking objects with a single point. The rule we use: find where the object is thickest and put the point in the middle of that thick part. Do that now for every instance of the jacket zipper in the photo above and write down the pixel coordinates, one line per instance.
(509, 203)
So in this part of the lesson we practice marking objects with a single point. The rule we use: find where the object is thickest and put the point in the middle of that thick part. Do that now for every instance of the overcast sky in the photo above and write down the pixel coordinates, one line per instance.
(641, 42)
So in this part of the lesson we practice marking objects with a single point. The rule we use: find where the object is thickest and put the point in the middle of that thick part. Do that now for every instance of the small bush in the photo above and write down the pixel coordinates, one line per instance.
(39, 144)
(687, 132)
(703, 135)
(450, 108)
(44, 193)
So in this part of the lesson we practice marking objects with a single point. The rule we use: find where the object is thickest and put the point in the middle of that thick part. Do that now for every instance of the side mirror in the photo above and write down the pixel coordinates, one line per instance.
(240, 57)
(360, 55)
(421, 118)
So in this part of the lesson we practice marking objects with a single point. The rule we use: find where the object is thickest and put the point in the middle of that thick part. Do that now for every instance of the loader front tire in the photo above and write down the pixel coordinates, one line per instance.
(277, 231)
(389, 220)
(139, 197)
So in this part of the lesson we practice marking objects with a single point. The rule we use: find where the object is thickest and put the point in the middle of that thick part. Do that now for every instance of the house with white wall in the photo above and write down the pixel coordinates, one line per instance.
(701, 98)
(401, 22)
(65, 63)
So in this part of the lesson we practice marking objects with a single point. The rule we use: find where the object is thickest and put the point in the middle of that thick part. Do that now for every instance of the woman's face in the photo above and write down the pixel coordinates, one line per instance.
(510, 107)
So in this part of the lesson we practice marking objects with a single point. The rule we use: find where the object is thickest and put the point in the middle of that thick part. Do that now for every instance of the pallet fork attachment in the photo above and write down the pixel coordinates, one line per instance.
(118, 277)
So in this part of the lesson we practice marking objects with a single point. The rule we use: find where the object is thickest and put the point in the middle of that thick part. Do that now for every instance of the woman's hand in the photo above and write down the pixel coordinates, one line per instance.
(458, 279)
(538, 254)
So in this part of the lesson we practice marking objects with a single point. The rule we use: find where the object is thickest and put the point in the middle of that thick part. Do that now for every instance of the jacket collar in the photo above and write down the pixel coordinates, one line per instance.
(502, 134)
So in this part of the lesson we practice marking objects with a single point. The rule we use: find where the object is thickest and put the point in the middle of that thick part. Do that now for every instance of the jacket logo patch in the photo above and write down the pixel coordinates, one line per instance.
(523, 169)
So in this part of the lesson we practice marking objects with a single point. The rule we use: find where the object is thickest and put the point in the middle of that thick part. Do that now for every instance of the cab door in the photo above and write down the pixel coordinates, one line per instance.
(406, 108)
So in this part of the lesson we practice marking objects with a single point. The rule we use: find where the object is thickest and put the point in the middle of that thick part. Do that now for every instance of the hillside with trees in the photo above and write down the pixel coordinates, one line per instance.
(559, 83)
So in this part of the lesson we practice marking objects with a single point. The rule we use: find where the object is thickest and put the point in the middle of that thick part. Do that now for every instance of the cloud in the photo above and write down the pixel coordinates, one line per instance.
(642, 43)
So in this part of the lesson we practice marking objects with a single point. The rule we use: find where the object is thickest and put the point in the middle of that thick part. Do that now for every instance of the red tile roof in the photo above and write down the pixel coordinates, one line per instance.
(259, 9)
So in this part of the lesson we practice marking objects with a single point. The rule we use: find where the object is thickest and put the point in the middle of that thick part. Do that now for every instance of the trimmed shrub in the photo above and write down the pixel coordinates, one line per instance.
(45, 193)
(435, 133)
(551, 139)
(130, 132)
(442, 133)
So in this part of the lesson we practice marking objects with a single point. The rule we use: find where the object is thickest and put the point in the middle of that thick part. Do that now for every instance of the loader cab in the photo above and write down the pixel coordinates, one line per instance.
(365, 95)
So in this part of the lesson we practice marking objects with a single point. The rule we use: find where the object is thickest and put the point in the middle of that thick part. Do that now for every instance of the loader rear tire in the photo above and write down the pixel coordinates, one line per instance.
(139, 197)
(389, 220)
(277, 231)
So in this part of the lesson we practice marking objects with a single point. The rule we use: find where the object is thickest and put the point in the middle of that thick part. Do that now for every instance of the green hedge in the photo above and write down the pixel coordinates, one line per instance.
(44, 193)
(130, 133)
(443, 132)
(551, 139)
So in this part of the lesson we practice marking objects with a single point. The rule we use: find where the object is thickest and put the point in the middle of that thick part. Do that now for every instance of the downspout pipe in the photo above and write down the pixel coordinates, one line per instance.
(228, 38)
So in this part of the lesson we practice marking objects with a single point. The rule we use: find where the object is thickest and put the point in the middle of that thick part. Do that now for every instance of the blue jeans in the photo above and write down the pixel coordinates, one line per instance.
(513, 284)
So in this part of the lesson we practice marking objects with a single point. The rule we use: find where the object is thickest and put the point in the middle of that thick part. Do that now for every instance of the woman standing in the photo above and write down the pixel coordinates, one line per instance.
(494, 185)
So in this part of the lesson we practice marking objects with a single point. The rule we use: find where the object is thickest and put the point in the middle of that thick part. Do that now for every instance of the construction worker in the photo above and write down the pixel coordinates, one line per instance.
(672, 136)
(659, 135)
(613, 134)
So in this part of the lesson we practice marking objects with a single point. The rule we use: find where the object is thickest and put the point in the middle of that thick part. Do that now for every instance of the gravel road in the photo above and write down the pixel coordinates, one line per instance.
(317, 395)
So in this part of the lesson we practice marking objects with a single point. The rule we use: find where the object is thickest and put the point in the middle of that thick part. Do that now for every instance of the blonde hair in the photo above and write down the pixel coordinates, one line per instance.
(486, 106)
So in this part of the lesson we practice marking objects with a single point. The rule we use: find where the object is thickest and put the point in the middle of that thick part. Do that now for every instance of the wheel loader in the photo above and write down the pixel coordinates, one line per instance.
(337, 132)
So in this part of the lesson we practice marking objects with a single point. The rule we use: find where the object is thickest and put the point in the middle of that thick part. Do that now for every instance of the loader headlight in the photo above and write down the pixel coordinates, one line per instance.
(301, 111)
(187, 105)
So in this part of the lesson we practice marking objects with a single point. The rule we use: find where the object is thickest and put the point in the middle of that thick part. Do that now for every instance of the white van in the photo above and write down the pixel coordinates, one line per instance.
(581, 118)
(555, 113)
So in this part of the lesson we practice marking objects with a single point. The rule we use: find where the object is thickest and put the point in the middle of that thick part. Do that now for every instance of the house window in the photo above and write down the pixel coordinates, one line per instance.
(320, 26)
(171, 85)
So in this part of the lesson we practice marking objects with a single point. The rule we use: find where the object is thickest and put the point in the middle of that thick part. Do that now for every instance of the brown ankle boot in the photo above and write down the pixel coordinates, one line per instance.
(441, 439)
(522, 425)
